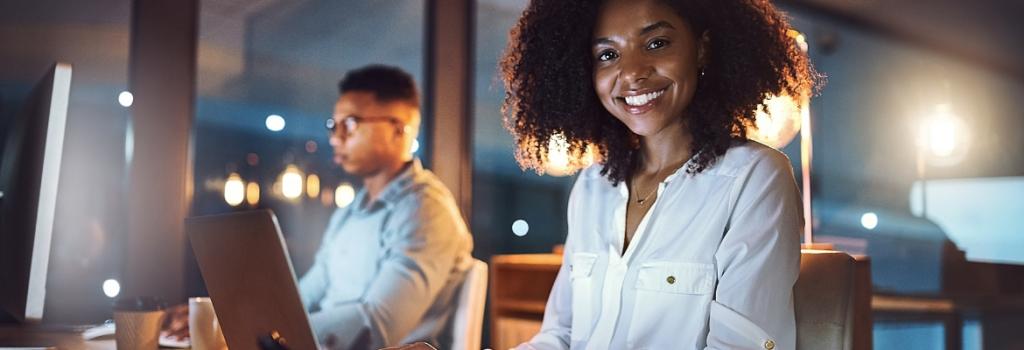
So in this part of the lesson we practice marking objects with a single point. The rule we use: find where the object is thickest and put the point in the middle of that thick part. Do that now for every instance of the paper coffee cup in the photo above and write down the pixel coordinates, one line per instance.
(204, 330)
(137, 322)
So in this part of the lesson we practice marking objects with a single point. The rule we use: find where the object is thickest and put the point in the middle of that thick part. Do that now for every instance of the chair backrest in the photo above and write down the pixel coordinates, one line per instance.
(469, 311)
(830, 309)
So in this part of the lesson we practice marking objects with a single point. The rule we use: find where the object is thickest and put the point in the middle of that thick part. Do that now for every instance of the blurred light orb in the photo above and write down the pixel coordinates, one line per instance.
(111, 288)
(234, 190)
(558, 156)
(560, 161)
(275, 123)
(415, 146)
(327, 196)
(943, 137)
(252, 193)
(869, 220)
(125, 99)
(344, 195)
(778, 120)
(312, 185)
(799, 38)
(520, 227)
(291, 182)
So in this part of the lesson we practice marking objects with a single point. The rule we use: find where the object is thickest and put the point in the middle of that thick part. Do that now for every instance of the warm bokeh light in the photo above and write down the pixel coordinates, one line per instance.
(327, 196)
(234, 190)
(778, 121)
(344, 195)
(799, 38)
(312, 185)
(291, 182)
(252, 193)
(561, 162)
(943, 136)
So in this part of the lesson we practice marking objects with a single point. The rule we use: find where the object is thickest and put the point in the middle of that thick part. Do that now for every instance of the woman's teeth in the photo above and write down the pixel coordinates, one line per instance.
(640, 100)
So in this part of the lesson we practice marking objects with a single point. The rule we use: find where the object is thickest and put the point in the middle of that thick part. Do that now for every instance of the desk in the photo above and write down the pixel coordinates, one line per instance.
(63, 338)
(519, 290)
(951, 311)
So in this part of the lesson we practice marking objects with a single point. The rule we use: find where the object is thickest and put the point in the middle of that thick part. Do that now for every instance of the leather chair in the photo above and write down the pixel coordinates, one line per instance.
(833, 301)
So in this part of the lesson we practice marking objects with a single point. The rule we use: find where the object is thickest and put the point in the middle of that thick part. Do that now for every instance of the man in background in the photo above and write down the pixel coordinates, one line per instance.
(390, 264)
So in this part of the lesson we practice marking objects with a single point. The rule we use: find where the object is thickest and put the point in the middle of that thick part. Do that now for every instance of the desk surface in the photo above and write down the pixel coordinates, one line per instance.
(64, 338)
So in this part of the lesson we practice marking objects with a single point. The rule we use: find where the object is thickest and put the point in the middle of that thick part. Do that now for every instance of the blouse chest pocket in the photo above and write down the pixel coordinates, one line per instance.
(678, 278)
(670, 296)
(581, 269)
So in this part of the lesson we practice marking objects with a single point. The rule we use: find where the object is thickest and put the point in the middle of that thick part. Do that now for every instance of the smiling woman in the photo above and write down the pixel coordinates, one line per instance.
(550, 70)
(687, 235)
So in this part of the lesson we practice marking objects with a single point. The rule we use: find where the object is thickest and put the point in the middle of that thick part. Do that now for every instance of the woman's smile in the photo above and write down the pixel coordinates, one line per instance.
(640, 101)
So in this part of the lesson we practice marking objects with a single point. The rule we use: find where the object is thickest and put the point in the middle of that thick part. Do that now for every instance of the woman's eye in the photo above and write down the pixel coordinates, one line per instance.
(607, 55)
(656, 44)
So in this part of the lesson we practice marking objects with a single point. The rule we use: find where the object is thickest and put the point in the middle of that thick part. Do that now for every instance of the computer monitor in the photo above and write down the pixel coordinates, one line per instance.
(29, 171)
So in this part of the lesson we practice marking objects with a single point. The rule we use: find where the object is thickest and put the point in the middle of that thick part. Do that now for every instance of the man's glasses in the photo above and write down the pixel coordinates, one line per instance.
(350, 124)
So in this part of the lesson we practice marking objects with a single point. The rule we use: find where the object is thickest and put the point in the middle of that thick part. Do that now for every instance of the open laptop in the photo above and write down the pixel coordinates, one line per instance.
(244, 261)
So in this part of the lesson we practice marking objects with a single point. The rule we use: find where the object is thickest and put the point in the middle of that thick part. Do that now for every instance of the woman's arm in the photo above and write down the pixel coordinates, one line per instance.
(758, 260)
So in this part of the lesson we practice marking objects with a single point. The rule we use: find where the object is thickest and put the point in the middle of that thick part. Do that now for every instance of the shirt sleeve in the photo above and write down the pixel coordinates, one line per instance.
(313, 285)
(758, 261)
(421, 243)
(555, 332)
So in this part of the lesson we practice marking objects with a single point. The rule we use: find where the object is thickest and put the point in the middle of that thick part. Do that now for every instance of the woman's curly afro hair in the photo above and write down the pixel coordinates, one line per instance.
(547, 69)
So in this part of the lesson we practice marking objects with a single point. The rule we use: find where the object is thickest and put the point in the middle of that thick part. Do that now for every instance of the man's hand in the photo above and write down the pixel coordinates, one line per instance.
(176, 322)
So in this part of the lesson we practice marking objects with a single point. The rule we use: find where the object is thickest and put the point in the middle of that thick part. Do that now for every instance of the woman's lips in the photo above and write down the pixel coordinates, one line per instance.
(648, 101)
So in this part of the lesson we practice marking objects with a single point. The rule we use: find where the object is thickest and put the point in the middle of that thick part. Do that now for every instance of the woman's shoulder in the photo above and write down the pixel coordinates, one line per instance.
(751, 156)
(590, 182)
(591, 173)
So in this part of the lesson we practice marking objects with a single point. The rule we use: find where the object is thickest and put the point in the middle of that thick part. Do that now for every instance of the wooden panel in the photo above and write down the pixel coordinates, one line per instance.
(513, 331)
(520, 285)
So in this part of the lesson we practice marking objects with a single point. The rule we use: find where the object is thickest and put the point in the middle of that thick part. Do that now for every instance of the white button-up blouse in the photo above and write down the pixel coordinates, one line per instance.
(711, 266)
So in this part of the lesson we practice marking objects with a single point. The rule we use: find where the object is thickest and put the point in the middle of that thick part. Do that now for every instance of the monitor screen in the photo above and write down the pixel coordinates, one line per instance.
(29, 172)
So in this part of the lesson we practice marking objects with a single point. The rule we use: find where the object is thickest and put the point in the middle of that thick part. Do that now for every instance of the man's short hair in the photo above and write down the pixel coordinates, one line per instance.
(387, 83)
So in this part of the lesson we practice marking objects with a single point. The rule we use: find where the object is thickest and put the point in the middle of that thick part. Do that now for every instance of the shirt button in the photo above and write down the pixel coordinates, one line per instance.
(671, 279)
(769, 345)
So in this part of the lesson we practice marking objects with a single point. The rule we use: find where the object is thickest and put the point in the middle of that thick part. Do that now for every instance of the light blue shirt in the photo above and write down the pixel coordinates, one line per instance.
(387, 271)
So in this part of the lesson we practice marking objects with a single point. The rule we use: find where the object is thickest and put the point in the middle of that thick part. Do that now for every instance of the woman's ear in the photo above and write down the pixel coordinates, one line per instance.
(704, 50)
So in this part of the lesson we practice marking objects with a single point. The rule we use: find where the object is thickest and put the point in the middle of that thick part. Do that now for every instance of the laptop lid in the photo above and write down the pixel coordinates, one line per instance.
(245, 264)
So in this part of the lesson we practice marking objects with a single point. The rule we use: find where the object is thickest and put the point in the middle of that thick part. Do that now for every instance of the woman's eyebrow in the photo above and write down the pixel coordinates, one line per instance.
(646, 29)
(651, 27)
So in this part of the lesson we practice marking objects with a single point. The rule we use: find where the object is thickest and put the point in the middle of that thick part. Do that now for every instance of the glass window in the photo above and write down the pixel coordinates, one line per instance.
(268, 76)
(513, 211)
(86, 248)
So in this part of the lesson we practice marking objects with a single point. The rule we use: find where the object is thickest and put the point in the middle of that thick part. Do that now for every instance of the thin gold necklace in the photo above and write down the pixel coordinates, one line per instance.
(641, 201)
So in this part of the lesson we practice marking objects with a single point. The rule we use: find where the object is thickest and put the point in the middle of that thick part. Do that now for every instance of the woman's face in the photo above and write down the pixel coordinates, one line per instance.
(645, 64)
